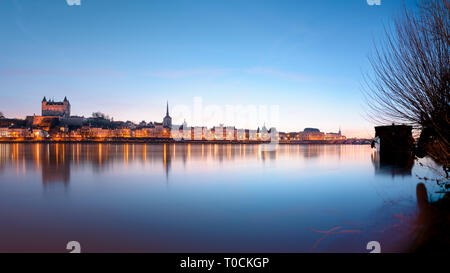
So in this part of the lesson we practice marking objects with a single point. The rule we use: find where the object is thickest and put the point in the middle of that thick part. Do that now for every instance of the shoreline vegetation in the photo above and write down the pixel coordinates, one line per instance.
(409, 84)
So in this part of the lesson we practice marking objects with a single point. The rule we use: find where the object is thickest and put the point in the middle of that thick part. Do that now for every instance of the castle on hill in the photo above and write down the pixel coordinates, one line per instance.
(56, 108)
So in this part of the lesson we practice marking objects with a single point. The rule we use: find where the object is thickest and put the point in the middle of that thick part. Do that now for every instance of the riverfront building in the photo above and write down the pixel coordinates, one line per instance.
(56, 124)
(56, 108)
(167, 121)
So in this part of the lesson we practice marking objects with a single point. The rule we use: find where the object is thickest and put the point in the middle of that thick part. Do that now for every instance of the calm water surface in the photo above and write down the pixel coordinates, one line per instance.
(203, 198)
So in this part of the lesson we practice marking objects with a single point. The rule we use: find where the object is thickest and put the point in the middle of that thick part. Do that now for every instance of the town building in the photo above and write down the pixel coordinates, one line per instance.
(56, 108)
(57, 124)
(335, 136)
(167, 121)
(309, 134)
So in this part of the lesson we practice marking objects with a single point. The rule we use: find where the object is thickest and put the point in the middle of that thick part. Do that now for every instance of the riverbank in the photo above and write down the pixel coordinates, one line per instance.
(432, 223)
(433, 232)
(170, 141)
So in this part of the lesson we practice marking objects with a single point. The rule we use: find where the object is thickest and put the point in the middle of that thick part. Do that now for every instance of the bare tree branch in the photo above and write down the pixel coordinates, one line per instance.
(410, 82)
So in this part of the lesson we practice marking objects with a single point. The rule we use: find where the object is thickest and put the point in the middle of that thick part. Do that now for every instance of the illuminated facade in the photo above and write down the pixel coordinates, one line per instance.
(56, 108)
(335, 136)
(56, 124)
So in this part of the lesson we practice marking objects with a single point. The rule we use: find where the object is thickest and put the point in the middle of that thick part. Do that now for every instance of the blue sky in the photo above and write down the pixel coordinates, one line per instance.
(127, 58)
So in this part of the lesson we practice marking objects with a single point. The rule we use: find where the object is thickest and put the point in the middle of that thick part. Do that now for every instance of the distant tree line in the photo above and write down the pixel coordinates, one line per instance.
(100, 115)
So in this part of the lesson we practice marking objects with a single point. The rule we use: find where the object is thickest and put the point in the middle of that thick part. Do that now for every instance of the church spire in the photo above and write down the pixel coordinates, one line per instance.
(167, 120)
(167, 109)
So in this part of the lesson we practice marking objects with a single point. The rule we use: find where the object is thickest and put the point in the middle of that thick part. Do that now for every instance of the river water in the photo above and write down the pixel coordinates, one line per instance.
(204, 198)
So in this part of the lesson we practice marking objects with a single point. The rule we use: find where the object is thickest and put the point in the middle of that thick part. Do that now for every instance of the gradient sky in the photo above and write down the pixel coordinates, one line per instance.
(126, 58)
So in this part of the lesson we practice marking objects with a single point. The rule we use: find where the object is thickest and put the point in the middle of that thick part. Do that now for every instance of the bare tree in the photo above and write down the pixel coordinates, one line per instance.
(410, 82)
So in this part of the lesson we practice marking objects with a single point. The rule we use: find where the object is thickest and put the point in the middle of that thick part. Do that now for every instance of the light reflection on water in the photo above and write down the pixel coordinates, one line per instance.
(203, 198)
